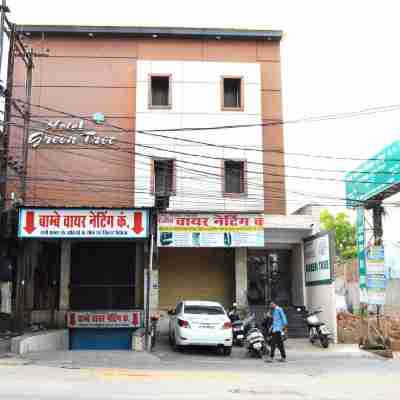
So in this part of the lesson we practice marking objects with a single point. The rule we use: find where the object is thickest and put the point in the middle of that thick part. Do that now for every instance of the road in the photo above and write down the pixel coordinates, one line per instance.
(313, 375)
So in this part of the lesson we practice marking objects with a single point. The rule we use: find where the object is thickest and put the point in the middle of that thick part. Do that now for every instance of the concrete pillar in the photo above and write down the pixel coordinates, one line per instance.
(65, 278)
(241, 277)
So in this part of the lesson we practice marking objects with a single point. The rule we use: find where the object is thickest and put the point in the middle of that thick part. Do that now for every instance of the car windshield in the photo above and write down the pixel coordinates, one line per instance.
(210, 310)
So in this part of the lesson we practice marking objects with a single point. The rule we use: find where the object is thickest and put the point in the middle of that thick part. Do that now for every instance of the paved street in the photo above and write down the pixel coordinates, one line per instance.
(340, 373)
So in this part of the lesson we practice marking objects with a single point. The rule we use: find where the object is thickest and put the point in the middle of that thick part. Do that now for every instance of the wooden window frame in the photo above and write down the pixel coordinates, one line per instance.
(245, 183)
(150, 94)
(223, 108)
(153, 175)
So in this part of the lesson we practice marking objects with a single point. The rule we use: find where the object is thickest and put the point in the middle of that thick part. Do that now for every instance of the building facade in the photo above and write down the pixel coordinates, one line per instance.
(124, 117)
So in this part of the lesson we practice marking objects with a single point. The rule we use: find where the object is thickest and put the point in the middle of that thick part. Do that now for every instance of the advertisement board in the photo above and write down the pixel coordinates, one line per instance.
(210, 230)
(360, 232)
(104, 319)
(364, 182)
(318, 260)
(376, 276)
(82, 223)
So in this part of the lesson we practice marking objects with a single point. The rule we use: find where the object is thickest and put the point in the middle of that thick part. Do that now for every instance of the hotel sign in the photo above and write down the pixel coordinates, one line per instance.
(67, 133)
(83, 223)
(211, 230)
(104, 319)
(318, 260)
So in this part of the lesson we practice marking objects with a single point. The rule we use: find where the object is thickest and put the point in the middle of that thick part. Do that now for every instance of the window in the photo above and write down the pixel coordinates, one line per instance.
(164, 177)
(160, 91)
(206, 310)
(234, 177)
(232, 93)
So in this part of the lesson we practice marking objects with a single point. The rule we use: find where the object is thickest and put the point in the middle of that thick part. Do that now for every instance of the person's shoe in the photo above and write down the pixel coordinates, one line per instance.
(282, 359)
(269, 360)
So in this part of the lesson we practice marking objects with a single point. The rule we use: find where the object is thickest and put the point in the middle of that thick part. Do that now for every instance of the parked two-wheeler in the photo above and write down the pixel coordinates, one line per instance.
(237, 326)
(317, 330)
(254, 339)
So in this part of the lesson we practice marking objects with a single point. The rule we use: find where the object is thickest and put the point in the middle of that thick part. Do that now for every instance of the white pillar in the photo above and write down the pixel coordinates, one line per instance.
(241, 277)
(65, 278)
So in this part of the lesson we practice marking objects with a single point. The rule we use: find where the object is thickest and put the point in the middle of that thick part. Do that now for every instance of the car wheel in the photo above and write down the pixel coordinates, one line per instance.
(227, 351)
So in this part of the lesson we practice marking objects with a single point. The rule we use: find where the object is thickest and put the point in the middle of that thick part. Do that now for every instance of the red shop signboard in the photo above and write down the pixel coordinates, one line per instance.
(104, 319)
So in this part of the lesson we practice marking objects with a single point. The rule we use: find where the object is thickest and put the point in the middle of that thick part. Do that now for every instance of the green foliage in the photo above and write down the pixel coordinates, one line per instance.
(344, 231)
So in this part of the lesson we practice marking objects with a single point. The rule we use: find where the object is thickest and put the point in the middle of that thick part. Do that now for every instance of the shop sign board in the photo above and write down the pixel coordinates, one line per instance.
(376, 276)
(318, 254)
(104, 319)
(83, 223)
(211, 230)
(360, 232)
(374, 176)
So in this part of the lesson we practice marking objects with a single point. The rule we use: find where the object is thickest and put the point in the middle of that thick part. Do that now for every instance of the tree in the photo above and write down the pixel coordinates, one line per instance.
(344, 231)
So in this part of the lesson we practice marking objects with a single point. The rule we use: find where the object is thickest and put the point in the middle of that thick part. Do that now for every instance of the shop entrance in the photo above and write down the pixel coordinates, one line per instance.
(269, 277)
(102, 278)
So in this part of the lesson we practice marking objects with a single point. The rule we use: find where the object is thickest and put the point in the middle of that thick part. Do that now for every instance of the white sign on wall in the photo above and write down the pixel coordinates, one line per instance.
(211, 230)
(82, 223)
(317, 260)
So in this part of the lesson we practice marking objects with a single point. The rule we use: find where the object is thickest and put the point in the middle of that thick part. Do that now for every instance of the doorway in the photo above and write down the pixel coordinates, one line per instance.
(269, 277)
(102, 276)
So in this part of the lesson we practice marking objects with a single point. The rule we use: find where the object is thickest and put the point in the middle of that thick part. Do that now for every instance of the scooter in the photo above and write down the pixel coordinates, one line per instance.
(238, 333)
(237, 326)
(254, 339)
(317, 330)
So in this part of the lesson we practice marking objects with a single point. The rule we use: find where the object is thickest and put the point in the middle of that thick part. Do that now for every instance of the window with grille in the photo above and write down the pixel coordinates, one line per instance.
(160, 91)
(164, 177)
(234, 177)
(232, 96)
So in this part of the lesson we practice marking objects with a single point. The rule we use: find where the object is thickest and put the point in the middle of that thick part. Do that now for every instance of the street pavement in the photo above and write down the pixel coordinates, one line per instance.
(339, 373)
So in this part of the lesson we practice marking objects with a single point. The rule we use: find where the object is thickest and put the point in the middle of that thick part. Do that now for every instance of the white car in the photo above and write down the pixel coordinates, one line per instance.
(200, 323)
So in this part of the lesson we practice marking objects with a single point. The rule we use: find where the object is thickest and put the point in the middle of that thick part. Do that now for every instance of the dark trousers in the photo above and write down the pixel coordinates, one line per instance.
(277, 342)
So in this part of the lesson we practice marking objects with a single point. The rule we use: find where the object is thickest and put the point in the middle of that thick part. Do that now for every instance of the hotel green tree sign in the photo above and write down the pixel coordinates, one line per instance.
(375, 176)
(318, 259)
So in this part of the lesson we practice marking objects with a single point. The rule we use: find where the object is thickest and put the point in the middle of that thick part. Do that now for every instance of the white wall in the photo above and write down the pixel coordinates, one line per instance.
(196, 102)
(323, 296)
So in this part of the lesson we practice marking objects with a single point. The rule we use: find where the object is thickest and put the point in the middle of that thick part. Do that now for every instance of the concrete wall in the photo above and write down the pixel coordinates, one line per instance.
(323, 296)
(196, 102)
(41, 341)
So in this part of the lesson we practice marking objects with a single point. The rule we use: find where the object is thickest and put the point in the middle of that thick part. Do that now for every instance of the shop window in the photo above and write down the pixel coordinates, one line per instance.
(160, 91)
(234, 177)
(164, 177)
(232, 94)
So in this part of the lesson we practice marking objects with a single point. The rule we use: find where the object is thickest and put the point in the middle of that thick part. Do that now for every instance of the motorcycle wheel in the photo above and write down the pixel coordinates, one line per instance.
(240, 343)
(324, 341)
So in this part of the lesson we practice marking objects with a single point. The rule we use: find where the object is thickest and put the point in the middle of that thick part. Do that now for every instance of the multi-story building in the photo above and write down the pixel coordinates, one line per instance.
(123, 116)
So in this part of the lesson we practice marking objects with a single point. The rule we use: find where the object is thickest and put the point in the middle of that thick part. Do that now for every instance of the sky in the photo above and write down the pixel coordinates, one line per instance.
(337, 56)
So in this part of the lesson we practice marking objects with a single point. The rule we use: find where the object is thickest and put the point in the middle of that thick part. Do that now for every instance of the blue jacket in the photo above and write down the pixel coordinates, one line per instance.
(279, 320)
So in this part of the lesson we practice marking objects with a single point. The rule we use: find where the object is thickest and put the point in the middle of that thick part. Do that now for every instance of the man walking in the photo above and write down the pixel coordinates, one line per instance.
(279, 324)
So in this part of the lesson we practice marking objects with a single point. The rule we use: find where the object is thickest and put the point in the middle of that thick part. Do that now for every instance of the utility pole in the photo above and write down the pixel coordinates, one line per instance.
(377, 213)
(4, 9)
(27, 118)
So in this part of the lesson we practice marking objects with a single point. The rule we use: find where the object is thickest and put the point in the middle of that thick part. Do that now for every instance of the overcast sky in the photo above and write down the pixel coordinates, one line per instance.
(337, 56)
